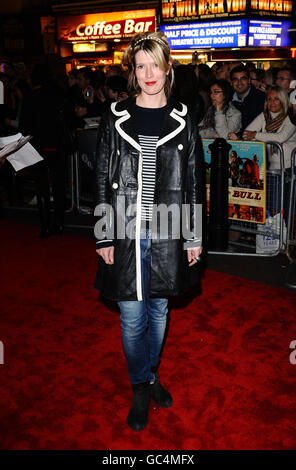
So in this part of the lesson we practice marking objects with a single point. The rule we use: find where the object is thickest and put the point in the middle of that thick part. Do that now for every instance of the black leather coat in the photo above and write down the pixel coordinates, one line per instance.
(178, 180)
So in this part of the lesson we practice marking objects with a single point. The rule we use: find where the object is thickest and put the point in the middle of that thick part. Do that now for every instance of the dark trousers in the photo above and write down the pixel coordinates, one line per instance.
(50, 170)
(12, 181)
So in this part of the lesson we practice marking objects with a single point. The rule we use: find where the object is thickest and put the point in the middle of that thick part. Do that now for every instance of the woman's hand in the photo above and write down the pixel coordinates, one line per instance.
(107, 254)
(80, 111)
(100, 95)
(193, 254)
(249, 135)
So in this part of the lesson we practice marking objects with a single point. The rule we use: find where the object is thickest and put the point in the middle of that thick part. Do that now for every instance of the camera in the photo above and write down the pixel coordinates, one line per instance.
(194, 57)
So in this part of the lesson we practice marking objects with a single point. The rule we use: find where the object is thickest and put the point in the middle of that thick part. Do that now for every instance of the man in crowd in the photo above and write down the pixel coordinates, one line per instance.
(223, 70)
(284, 77)
(246, 98)
(257, 78)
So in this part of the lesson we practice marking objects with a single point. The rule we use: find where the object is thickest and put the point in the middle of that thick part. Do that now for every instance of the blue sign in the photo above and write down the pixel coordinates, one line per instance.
(269, 33)
(207, 35)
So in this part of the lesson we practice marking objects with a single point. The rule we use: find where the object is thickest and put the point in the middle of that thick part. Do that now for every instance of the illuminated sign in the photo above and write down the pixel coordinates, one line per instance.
(272, 7)
(207, 35)
(85, 47)
(177, 11)
(269, 33)
(90, 47)
(114, 25)
(180, 11)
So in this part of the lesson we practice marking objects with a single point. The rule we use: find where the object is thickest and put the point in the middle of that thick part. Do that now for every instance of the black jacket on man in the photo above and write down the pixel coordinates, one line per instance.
(178, 180)
(251, 106)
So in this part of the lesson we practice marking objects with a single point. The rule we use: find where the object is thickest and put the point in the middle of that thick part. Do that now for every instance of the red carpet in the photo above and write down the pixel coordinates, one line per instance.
(64, 383)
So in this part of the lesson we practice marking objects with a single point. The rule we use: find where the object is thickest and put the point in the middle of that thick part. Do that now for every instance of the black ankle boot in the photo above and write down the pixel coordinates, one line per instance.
(159, 394)
(138, 416)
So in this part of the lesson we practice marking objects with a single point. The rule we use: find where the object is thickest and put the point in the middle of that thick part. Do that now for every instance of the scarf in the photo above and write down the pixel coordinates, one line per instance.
(273, 124)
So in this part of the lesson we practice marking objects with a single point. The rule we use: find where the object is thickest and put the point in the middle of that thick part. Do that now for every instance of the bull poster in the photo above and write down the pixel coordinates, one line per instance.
(246, 182)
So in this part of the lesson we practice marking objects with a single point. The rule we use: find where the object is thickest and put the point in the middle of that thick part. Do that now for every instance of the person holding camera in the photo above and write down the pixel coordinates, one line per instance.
(90, 103)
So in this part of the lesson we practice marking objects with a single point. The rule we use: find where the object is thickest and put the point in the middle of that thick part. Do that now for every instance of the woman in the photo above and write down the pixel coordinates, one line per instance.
(222, 118)
(275, 125)
(148, 155)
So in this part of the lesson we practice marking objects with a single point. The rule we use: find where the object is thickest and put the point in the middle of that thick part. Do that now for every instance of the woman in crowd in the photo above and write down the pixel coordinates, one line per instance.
(222, 118)
(274, 124)
(148, 154)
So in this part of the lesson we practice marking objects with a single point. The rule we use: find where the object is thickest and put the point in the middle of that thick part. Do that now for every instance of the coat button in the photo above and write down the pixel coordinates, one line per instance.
(115, 185)
(180, 147)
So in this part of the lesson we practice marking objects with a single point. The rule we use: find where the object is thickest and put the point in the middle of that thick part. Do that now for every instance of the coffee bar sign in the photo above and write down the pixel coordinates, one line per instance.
(114, 25)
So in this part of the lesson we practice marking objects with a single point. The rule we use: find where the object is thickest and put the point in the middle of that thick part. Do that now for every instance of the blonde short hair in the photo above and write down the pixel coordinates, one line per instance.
(282, 95)
(157, 46)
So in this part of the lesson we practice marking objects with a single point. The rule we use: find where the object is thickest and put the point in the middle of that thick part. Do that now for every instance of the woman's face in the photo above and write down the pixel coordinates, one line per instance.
(151, 78)
(273, 102)
(217, 96)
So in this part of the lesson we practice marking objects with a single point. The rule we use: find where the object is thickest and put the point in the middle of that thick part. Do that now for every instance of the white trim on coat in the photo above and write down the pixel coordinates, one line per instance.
(125, 115)
(122, 117)
(138, 232)
(178, 115)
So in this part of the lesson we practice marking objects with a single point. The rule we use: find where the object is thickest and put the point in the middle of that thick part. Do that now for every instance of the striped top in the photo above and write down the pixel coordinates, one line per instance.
(148, 144)
(148, 122)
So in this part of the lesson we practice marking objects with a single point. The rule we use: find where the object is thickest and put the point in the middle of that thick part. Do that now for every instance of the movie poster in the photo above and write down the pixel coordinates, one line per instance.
(246, 182)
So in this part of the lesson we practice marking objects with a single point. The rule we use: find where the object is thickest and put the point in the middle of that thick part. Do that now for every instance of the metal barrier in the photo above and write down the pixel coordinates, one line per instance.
(70, 182)
(84, 164)
(291, 228)
(274, 226)
(1, 92)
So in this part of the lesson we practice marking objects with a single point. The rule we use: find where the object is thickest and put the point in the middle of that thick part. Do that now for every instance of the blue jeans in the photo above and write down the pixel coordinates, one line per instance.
(143, 323)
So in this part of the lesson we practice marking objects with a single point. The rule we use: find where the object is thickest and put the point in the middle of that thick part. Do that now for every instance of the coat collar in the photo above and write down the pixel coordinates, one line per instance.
(174, 121)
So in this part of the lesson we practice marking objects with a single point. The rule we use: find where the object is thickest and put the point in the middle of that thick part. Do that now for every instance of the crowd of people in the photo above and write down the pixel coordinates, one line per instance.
(229, 100)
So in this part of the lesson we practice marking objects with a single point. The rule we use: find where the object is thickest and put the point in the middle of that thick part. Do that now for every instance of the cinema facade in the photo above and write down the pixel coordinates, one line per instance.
(96, 33)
